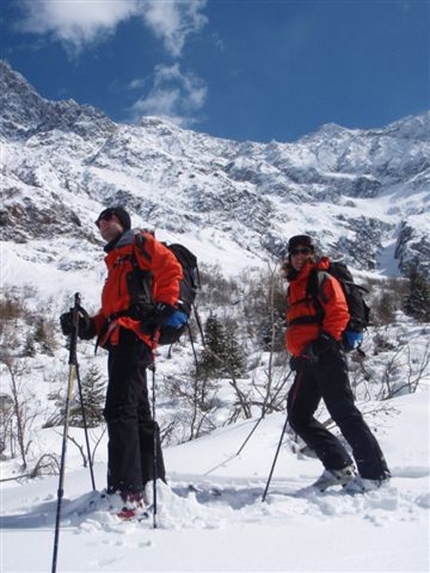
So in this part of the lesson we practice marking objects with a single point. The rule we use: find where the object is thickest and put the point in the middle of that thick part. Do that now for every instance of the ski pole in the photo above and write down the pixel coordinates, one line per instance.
(272, 469)
(295, 388)
(72, 374)
(155, 453)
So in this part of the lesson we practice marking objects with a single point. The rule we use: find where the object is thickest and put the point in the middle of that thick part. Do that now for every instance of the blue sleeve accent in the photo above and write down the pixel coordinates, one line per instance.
(354, 339)
(177, 319)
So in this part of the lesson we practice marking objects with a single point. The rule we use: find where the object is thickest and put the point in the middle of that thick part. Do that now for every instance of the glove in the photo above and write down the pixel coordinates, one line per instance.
(323, 344)
(353, 339)
(156, 318)
(294, 363)
(86, 325)
(309, 353)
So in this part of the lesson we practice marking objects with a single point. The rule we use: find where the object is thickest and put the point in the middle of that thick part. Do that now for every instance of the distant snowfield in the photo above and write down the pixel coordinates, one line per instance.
(69, 265)
(386, 530)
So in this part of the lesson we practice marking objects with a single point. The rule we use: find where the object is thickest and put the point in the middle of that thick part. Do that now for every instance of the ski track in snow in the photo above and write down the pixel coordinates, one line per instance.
(223, 501)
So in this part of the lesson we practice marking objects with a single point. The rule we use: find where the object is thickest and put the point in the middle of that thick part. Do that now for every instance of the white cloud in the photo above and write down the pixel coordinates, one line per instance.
(78, 23)
(175, 96)
(174, 21)
(137, 84)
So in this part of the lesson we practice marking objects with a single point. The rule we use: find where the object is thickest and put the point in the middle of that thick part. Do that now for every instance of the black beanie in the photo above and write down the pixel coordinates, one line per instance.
(120, 212)
(123, 216)
(300, 241)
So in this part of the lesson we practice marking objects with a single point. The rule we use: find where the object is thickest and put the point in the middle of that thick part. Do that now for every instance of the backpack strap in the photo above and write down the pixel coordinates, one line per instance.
(139, 242)
(314, 292)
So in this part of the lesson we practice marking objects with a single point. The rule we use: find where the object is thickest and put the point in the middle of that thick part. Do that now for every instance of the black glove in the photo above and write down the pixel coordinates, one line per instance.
(295, 363)
(86, 325)
(155, 319)
(323, 344)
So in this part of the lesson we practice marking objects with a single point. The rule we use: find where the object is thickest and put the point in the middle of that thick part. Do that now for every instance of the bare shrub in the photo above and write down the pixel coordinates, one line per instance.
(23, 408)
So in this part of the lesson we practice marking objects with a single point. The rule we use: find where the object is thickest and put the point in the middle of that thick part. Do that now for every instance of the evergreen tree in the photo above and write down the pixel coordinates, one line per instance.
(417, 303)
(222, 355)
(93, 391)
(236, 356)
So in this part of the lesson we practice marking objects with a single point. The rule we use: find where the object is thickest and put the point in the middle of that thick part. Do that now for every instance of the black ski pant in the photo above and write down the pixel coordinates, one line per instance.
(133, 436)
(328, 380)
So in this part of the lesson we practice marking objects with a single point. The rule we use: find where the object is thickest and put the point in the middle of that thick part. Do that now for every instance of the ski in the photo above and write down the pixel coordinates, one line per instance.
(96, 501)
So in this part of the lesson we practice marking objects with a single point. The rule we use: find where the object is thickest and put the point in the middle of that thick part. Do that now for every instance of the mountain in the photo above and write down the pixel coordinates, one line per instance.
(364, 193)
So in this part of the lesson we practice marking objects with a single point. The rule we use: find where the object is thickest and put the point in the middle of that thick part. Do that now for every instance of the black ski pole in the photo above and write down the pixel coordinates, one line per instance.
(272, 469)
(72, 374)
(154, 453)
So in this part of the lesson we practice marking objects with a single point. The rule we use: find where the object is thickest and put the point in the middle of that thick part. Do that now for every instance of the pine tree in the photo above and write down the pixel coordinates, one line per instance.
(417, 303)
(93, 391)
(223, 355)
(236, 356)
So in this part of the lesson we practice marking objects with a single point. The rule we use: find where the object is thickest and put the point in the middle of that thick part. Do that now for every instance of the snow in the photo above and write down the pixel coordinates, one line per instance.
(385, 530)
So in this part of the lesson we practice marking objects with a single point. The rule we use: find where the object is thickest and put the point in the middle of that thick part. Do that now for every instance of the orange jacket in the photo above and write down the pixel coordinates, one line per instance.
(164, 274)
(332, 299)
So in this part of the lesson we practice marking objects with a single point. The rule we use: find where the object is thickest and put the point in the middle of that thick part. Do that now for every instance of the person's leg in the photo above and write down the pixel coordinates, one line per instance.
(149, 438)
(124, 394)
(303, 400)
(337, 394)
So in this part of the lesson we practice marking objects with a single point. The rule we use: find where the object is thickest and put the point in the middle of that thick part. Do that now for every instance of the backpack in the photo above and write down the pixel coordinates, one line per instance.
(139, 285)
(358, 309)
(176, 324)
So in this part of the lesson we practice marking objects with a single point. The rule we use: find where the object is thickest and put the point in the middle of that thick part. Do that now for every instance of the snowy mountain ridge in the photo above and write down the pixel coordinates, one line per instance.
(363, 193)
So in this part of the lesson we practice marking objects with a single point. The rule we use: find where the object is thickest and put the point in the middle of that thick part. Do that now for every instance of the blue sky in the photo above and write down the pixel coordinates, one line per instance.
(241, 69)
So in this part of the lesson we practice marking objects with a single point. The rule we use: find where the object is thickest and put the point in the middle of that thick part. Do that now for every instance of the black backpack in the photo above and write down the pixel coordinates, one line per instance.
(357, 306)
(177, 323)
(139, 284)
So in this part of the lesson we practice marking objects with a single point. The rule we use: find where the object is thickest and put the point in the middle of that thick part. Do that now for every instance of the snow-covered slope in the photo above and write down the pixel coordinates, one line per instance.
(386, 530)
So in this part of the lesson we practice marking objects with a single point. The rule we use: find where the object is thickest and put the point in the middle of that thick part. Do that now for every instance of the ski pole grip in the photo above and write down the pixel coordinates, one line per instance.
(76, 309)
(75, 328)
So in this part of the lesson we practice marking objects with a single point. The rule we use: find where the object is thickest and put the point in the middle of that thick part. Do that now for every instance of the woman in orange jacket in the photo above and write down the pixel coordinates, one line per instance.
(321, 372)
(140, 292)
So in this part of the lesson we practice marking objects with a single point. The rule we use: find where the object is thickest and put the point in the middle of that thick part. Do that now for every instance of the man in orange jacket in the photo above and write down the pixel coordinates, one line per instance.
(321, 373)
(140, 292)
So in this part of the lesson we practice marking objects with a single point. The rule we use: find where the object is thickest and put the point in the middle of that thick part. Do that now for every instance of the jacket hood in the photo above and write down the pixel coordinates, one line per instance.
(126, 238)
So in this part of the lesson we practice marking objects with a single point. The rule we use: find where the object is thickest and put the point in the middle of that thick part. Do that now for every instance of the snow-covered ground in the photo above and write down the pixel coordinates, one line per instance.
(386, 530)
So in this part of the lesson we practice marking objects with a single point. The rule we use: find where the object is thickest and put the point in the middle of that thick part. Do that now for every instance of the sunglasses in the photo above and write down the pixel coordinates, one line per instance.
(105, 216)
(301, 251)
